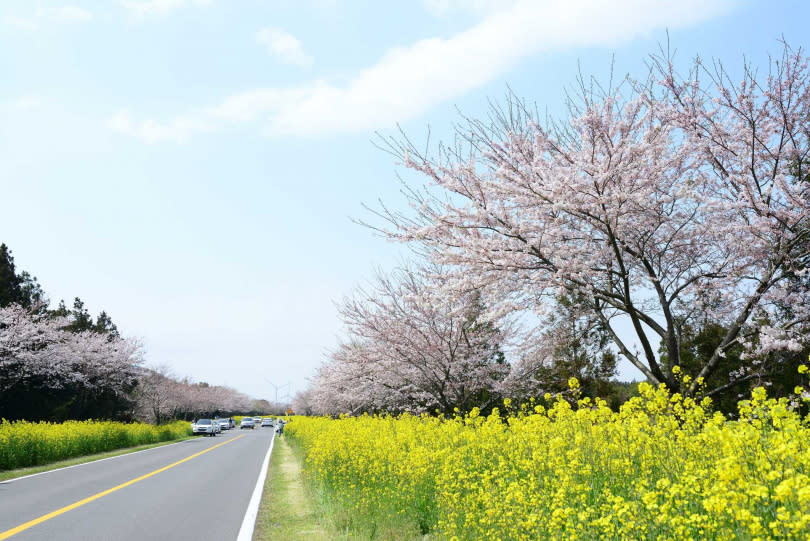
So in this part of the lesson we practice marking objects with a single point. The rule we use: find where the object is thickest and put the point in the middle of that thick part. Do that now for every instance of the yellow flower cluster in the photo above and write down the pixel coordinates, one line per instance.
(664, 467)
(23, 443)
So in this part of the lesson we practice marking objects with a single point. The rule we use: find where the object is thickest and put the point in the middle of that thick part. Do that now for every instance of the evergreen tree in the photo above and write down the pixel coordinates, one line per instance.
(104, 324)
(61, 310)
(9, 282)
(80, 318)
(22, 288)
(76, 377)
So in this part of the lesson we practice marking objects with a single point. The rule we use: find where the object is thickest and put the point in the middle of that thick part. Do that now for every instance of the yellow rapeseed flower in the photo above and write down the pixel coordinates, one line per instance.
(663, 467)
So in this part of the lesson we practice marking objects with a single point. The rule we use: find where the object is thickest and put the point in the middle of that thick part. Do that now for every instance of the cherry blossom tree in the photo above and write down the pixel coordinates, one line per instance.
(59, 365)
(183, 398)
(30, 349)
(653, 203)
(202, 399)
(303, 403)
(572, 343)
(349, 382)
(42, 366)
(412, 347)
(157, 395)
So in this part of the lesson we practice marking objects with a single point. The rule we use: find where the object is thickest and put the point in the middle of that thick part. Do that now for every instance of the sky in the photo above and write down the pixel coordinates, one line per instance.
(195, 167)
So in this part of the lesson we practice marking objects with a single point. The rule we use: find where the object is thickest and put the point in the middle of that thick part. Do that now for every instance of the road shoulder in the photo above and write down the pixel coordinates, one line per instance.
(287, 511)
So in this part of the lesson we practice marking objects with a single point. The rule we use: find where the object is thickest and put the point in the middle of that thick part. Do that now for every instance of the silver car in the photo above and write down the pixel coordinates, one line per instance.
(205, 426)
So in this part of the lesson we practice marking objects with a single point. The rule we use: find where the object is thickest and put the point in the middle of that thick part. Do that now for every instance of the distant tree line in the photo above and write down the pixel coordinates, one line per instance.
(59, 364)
(160, 397)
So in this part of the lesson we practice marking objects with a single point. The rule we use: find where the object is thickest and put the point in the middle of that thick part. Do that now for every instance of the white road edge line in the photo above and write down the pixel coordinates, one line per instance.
(92, 461)
(249, 522)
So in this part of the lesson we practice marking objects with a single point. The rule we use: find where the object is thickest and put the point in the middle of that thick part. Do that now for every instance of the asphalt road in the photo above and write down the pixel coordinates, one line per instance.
(202, 498)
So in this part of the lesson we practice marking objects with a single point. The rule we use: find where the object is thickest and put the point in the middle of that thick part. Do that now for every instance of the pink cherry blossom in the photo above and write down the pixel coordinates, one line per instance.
(654, 202)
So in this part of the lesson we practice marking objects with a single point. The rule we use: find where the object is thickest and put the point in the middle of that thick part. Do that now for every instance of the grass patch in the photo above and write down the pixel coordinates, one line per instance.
(292, 508)
(287, 510)
(21, 472)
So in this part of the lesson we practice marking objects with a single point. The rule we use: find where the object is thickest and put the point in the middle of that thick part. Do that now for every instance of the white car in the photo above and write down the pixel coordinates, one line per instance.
(205, 426)
(247, 422)
(225, 424)
(267, 422)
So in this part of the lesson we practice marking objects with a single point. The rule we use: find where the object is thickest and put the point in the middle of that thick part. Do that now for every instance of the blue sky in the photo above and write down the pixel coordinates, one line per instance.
(192, 166)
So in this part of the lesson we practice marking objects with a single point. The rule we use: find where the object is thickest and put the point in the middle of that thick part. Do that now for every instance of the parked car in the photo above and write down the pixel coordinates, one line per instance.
(247, 422)
(267, 422)
(205, 426)
(226, 423)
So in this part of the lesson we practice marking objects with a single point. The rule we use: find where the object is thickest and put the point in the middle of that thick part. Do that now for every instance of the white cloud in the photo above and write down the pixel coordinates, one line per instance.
(68, 14)
(178, 130)
(22, 104)
(62, 14)
(408, 81)
(24, 23)
(283, 46)
(479, 7)
(141, 9)
(25, 103)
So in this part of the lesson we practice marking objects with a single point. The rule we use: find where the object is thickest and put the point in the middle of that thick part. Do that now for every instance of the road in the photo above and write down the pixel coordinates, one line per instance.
(195, 490)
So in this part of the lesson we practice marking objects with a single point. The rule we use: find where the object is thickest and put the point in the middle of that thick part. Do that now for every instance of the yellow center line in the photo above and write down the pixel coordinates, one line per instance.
(52, 514)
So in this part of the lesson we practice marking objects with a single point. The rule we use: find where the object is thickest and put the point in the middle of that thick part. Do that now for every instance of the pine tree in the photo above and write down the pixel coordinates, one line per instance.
(9, 281)
(22, 288)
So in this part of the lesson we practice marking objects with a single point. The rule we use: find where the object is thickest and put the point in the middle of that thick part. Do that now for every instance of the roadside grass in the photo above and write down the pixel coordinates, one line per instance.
(287, 511)
(21, 472)
(294, 509)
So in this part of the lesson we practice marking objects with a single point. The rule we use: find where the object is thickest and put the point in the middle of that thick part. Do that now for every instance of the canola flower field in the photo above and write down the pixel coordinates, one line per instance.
(24, 444)
(663, 467)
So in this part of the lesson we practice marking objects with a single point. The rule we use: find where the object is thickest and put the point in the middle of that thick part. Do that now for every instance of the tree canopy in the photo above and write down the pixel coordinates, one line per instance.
(655, 204)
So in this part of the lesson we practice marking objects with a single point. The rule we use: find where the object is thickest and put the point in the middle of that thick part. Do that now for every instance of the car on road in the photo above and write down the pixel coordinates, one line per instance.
(257, 421)
(226, 423)
(247, 422)
(267, 422)
(205, 426)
